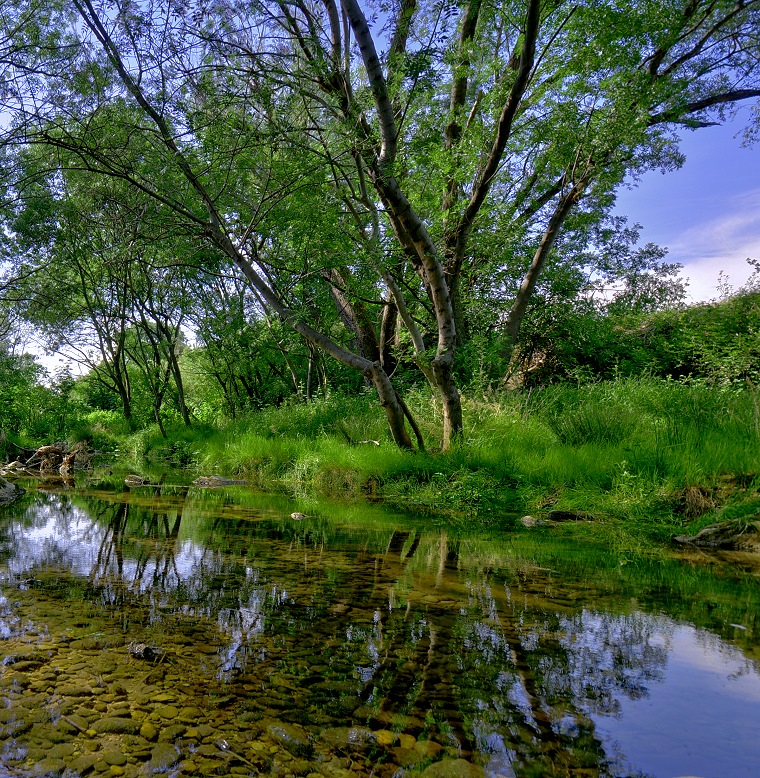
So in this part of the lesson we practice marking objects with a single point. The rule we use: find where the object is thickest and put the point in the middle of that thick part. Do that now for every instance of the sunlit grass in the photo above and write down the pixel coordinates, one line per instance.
(620, 450)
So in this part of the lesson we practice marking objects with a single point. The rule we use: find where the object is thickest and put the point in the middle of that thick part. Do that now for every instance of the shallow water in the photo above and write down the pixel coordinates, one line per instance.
(181, 631)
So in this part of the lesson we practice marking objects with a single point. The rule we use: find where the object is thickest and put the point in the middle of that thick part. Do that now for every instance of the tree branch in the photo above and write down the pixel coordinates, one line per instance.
(377, 82)
(677, 115)
(458, 238)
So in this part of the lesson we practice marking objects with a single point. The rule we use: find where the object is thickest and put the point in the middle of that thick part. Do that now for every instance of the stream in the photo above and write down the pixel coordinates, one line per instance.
(180, 631)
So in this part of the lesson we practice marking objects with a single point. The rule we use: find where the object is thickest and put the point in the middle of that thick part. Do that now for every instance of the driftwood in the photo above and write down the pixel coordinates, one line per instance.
(725, 535)
(56, 457)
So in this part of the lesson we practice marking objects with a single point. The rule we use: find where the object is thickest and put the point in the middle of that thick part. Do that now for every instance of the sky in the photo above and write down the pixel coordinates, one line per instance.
(707, 213)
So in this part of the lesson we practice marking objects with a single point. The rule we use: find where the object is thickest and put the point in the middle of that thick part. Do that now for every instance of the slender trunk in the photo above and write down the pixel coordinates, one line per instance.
(159, 421)
(225, 392)
(354, 316)
(450, 401)
(126, 408)
(291, 369)
(394, 411)
(310, 373)
(460, 320)
(388, 334)
(412, 423)
(180, 385)
(519, 307)
(124, 395)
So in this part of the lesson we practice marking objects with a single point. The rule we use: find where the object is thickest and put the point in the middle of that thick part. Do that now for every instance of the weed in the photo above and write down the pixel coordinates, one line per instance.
(649, 452)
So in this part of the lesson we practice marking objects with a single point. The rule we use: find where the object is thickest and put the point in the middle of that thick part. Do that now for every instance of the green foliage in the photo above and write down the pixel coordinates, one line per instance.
(146, 170)
(20, 393)
(32, 411)
(628, 450)
(718, 343)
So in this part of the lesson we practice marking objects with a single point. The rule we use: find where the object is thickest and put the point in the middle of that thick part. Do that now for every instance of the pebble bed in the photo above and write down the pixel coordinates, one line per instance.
(80, 706)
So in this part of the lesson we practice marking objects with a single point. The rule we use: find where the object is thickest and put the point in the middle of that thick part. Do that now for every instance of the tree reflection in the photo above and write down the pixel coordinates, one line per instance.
(409, 631)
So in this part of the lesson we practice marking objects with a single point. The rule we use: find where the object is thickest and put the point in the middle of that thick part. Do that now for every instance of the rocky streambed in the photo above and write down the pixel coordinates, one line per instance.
(188, 631)
(88, 705)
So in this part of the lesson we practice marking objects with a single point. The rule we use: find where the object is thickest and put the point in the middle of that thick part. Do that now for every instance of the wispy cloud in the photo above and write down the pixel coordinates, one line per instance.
(720, 244)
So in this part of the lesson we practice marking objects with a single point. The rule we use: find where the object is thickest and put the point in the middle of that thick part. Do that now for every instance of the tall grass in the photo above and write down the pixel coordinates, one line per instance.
(623, 449)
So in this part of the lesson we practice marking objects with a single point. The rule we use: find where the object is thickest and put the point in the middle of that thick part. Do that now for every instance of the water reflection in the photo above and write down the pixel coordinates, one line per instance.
(363, 646)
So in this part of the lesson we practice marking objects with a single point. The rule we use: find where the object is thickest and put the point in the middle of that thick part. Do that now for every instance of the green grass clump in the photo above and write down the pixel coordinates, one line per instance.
(639, 451)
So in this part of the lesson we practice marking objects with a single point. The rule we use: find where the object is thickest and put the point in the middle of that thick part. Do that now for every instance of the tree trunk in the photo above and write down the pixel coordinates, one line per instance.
(126, 401)
(450, 401)
(520, 305)
(388, 329)
(159, 421)
(394, 411)
(179, 384)
(310, 373)
(372, 370)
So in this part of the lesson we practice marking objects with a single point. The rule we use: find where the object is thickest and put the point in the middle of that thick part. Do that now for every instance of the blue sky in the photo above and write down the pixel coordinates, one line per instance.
(707, 213)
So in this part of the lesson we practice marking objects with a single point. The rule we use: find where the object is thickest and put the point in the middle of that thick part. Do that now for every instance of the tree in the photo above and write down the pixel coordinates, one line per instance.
(412, 138)
(98, 286)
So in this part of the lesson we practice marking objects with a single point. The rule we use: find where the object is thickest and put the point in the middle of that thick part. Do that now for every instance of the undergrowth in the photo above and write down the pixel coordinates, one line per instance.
(631, 450)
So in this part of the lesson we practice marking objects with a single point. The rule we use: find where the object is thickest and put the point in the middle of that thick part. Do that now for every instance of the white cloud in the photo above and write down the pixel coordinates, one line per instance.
(722, 243)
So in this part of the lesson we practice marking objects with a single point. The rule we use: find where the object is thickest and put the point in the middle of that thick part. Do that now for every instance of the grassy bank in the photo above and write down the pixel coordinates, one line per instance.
(653, 457)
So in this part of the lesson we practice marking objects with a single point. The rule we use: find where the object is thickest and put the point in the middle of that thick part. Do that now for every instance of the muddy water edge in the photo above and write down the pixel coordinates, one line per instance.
(183, 631)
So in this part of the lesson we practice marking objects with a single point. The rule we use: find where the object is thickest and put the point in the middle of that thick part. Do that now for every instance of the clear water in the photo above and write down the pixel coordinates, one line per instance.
(180, 631)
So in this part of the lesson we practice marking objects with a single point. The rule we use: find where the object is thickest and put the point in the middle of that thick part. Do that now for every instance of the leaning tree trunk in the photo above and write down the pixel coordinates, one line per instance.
(394, 410)
(520, 305)
(372, 370)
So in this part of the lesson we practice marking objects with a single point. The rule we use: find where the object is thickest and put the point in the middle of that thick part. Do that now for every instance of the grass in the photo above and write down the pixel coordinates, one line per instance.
(656, 455)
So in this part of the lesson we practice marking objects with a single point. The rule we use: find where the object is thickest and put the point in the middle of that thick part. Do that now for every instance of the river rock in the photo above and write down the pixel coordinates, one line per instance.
(453, 768)
(347, 737)
(74, 690)
(171, 733)
(13, 728)
(385, 737)
(167, 711)
(190, 715)
(62, 750)
(80, 722)
(291, 737)
(23, 654)
(49, 766)
(81, 764)
(115, 725)
(429, 749)
(15, 680)
(162, 757)
(114, 757)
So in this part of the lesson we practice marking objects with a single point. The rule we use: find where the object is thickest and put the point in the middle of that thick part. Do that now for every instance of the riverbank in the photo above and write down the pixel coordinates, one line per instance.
(639, 460)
